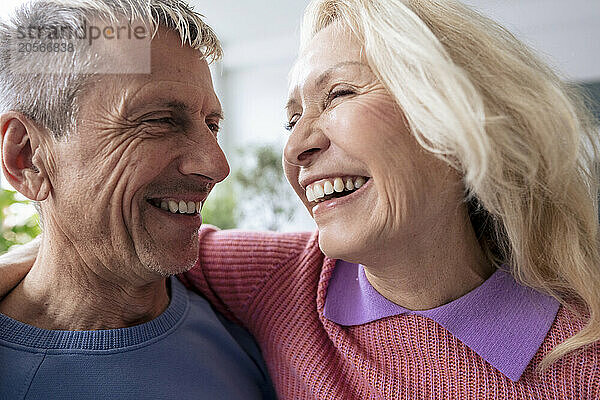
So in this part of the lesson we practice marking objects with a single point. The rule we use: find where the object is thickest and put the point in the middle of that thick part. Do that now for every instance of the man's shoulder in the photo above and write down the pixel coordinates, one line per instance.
(198, 352)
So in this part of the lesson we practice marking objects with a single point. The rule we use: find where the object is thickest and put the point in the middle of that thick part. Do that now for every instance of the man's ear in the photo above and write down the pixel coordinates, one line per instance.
(21, 139)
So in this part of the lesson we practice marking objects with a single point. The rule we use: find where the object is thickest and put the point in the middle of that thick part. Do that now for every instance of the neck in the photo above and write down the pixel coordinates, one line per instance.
(434, 269)
(67, 291)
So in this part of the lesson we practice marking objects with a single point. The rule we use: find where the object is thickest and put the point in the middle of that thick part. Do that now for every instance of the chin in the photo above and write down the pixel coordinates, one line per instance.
(166, 268)
(170, 261)
(169, 270)
(341, 244)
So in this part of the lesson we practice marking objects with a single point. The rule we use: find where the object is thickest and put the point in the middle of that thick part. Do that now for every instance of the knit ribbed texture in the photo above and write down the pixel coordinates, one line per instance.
(19, 333)
(275, 285)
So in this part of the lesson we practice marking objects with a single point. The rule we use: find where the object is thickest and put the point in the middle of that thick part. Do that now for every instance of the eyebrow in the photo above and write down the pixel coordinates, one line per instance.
(182, 107)
(325, 76)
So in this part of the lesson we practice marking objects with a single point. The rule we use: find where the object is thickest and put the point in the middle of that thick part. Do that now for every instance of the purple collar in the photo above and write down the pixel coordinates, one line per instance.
(502, 321)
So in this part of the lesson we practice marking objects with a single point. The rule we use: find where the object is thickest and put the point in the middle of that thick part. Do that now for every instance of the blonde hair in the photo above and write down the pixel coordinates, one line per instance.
(525, 143)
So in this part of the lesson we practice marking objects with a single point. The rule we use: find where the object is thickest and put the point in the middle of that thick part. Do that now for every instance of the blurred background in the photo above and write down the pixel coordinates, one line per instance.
(260, 39)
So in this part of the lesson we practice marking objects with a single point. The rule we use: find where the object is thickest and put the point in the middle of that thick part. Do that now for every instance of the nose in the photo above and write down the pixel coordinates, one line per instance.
(304, 145)
(205, 158)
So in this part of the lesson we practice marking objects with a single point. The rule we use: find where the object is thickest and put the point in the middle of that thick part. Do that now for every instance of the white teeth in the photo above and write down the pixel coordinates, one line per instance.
(318, 191)
(349, 184)
(179, 207)
(182, 207)
(327, 188)
(359, 182)
(191, 207)
(310, 195)
(338, 185)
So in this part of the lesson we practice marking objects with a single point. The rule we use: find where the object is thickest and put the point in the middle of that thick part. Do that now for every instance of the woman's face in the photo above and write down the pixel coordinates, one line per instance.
(351, 159)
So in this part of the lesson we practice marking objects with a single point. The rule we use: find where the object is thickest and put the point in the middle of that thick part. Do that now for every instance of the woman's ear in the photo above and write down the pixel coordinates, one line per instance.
(20, 142)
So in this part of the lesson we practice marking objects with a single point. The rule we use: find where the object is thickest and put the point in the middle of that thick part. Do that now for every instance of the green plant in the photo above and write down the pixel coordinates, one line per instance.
(254, 196)
(18, 233)
(220, 208)
(268, 201)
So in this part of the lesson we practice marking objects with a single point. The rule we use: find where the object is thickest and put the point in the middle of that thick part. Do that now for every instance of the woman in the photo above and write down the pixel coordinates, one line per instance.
(452, 172)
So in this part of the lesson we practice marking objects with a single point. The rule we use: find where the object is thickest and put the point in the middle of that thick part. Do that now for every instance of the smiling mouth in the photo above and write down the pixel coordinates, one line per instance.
(175, 206)
(332, 188)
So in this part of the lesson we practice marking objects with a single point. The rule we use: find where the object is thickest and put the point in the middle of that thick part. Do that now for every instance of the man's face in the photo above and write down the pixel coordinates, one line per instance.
(142, 143)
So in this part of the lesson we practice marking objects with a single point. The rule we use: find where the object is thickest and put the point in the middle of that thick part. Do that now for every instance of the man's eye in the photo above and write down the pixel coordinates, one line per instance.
(164, 120)
(214, 127)
(292, 122)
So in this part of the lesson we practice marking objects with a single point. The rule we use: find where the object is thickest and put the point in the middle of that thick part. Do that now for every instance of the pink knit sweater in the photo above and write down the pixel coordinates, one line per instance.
(275, 285)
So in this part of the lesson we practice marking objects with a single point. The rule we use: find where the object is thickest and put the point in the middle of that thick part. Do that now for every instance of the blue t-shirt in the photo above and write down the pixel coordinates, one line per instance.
(188, 352)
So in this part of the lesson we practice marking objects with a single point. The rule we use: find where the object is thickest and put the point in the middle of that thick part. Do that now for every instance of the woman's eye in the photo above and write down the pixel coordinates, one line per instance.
(292, 122)
(338, 93)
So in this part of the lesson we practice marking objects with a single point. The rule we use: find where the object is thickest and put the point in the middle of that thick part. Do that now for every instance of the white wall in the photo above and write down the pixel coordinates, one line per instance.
(565, 32)
(253, 99)
(260, 40)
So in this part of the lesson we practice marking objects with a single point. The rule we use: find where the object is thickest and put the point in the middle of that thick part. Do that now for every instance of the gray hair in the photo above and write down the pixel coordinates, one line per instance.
(50, 98)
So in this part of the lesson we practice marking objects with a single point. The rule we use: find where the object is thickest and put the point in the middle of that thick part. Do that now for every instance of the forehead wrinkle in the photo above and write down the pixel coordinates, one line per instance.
(175, 105)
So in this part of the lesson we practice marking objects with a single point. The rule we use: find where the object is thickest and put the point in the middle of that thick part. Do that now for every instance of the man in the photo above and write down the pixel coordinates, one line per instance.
(119, 165)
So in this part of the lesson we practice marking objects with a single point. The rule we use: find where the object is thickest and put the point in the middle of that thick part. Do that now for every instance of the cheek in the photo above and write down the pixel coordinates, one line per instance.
(369, 131)
(404, 172)
(291, 174)
(115, 170)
